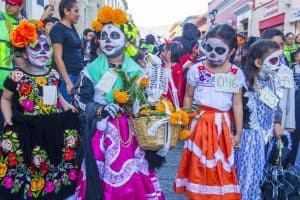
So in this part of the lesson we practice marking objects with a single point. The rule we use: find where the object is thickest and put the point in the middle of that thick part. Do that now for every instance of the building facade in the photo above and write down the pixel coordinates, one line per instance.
(237, 13)
(282, 14)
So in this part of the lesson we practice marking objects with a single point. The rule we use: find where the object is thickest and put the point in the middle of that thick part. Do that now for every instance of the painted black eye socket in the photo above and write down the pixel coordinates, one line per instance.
(103, 35)
(46, 47)
(274, 61)
(115, 35)
(208, 48)
(220, 50)
(37, 47)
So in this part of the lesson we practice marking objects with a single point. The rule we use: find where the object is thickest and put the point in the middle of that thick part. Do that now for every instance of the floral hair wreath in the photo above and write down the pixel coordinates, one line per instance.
(118, 17)
(26, 33)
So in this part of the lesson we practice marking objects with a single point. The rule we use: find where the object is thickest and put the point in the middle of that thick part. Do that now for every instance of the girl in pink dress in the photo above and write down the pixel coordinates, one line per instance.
(114, 167)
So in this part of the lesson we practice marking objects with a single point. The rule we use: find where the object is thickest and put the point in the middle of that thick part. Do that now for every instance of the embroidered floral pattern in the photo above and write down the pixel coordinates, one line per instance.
(207, 78)
(41, 177)
(30, 93)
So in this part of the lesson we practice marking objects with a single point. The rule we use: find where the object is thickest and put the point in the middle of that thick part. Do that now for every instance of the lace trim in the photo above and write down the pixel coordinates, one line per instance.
(204, 189)
(253, 119)
(219, 156)
(112, 152)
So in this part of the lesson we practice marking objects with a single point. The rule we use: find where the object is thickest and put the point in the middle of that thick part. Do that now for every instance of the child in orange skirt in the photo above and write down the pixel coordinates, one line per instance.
(206, 170)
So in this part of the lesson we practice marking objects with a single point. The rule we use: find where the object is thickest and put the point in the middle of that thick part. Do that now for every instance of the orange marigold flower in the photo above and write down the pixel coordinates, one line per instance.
(145, 111)
(31, 33)
(144, 82)
(121, 97)
(40, 25)
(23, 34)
(175, 118)
(17, 39)
(105, 14)
(184, 117)
(119, 17)
(160, 107)
(96, 26)
(185, 134)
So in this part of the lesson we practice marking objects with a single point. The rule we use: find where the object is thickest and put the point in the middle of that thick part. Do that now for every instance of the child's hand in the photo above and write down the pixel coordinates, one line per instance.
(278, 130)
(236, 140)
(52, 2)
(8, 123)
(68, 106)
(16, 76)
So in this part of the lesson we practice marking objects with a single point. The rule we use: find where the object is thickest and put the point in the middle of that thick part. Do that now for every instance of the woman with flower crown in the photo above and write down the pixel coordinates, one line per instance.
(114, 166)
(38, 147)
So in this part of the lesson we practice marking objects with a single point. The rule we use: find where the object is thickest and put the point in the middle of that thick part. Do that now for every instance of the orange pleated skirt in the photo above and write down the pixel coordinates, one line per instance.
(206, 169)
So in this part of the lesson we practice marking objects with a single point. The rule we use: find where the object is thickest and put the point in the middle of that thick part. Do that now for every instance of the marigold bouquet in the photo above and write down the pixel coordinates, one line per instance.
(132, 95)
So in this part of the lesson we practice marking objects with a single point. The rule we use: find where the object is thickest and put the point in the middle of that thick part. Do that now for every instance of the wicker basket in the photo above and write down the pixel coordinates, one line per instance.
(153, 143)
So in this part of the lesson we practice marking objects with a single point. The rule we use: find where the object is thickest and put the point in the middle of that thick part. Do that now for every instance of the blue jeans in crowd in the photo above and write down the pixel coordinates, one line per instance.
(63, 87)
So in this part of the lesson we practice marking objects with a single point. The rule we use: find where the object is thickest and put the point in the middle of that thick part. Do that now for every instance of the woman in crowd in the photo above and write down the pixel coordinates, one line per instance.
(67, 46)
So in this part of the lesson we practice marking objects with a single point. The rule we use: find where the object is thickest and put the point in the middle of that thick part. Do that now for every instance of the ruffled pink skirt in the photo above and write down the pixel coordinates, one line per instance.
(122, 166)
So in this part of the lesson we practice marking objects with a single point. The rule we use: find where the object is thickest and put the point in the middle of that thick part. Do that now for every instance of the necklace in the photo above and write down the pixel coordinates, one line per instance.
(129, 141)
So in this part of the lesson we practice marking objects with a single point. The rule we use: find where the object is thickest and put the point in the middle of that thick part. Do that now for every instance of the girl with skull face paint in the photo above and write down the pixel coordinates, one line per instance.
(114, 167)
(38, 148)
(206, 170)
(261, 118)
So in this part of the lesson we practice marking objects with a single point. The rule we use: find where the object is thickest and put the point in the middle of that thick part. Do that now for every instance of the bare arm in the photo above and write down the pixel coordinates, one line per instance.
(58, 51)
(188, 97)
(238, 116)
(65, 104)
(49, 10)
(6, 106)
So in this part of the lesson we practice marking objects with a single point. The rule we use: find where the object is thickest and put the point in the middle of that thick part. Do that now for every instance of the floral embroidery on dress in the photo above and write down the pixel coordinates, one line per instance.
(41, 177)
(30, 94)
(206, 78)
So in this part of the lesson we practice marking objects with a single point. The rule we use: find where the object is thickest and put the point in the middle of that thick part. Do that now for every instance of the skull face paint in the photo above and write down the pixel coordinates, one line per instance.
(272, 62)
(216, 51)
(39, 53)
(112, 40)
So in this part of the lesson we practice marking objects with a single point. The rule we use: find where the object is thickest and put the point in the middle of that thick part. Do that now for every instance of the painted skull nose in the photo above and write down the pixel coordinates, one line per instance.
(107, 40)
(212, 55)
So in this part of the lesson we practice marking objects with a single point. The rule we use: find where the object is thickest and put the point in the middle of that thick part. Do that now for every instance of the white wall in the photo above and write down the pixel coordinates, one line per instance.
(1, 5)
(33, 10)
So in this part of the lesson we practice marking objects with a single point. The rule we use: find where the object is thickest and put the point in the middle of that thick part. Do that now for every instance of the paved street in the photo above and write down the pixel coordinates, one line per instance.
(168, 173)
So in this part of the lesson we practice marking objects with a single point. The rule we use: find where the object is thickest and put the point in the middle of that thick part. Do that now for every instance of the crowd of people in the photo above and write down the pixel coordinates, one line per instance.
(63, 136)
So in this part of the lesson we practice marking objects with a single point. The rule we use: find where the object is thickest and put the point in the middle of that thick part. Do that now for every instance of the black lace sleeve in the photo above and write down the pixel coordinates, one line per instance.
(10, 84)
